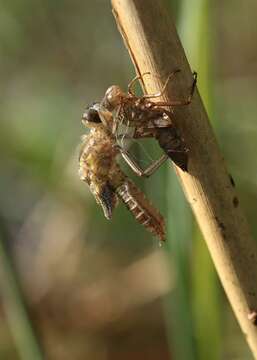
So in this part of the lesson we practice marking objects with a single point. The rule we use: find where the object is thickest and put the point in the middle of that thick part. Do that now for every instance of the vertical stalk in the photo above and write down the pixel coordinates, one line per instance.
(154, 46)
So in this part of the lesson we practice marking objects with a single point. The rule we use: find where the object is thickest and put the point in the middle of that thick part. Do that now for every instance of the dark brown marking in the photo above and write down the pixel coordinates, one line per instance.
(232, 182)
(220, 224)
(235, 201)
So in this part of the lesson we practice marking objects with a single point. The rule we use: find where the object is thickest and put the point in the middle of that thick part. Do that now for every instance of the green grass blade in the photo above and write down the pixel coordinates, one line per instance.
(15, 310)
(194, 28)
(179, 243)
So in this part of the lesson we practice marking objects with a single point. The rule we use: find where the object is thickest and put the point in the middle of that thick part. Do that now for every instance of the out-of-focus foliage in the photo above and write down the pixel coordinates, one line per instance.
(94, 289)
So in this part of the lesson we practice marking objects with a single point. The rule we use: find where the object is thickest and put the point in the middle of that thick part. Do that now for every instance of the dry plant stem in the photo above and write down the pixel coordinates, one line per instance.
(153, 43)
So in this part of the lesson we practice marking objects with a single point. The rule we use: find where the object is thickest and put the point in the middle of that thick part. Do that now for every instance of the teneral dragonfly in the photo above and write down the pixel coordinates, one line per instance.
(149, 119)
(108, 183)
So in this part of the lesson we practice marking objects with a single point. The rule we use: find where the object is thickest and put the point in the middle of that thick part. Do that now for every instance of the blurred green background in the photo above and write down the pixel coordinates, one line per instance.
(73, 285)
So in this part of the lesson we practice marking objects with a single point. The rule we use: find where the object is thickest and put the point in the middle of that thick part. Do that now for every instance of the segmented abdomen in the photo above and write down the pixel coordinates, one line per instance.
(142, 210)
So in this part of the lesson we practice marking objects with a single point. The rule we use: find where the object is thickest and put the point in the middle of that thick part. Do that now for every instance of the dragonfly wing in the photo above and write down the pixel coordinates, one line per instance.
(107, 199)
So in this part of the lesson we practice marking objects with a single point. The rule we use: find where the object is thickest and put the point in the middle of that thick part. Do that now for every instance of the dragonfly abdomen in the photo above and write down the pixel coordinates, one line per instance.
(142, 210)
(173, 145)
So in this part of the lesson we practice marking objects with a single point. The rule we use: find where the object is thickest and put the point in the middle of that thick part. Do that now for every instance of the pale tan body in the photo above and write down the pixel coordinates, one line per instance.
(107, 182)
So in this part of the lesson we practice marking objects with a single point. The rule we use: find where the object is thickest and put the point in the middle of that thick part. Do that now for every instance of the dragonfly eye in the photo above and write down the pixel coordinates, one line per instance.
(91, 115)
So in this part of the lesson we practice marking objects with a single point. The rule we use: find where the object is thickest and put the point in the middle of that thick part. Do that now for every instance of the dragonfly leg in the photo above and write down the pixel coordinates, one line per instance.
(160, 93)
(132, 82)
(148, 96)
(137, 168)
(179, 102)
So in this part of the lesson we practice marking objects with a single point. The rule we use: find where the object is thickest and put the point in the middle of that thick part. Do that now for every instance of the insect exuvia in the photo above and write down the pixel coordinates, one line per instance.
(98, 166)
(108, 183)
(149, 119)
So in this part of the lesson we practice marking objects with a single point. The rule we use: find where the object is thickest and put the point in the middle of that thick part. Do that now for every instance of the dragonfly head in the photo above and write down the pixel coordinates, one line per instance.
(90, 117)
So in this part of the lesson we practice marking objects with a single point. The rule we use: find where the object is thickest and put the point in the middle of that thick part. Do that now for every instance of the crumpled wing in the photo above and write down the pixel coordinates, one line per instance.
(107, 198)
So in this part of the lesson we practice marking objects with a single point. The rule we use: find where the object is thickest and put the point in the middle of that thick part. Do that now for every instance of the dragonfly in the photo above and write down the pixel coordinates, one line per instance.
(150, 119)
(98, 167)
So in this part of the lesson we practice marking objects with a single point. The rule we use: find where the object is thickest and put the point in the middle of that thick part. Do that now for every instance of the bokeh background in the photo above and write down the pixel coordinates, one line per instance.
(73, 285)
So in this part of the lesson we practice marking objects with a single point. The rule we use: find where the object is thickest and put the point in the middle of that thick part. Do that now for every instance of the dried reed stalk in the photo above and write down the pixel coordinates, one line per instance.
(154, 46)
